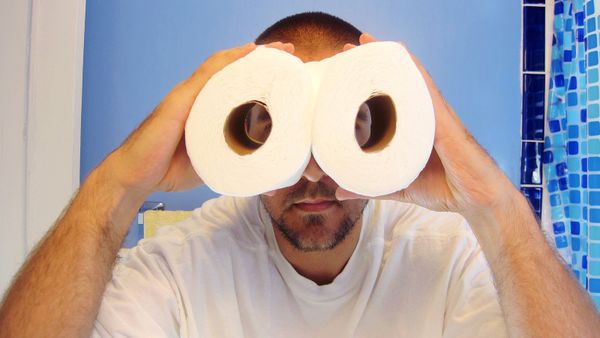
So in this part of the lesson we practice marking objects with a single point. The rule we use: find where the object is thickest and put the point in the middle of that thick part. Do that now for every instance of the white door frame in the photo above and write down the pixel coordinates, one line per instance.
(40, 87)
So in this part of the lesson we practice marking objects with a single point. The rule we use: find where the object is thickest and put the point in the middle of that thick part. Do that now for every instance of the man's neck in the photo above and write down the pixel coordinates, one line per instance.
(320, 266)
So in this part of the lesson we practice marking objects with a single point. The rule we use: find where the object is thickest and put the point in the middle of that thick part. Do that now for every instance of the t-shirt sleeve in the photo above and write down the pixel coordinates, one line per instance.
(472, 308)
(141, 300)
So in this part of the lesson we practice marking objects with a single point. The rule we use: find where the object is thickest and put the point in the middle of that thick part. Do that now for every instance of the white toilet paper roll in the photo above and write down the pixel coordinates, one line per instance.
(218, 148)
(384, 75)
(314, 105)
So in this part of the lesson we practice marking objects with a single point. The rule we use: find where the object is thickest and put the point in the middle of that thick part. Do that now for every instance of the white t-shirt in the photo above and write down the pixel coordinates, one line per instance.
(414, 273)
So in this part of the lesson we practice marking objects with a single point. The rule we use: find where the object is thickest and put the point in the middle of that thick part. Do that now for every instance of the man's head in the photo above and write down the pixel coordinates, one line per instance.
(307, 214)
(315, 35)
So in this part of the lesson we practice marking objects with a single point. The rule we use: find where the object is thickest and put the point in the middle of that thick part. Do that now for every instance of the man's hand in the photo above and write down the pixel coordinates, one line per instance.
(459, 175)
(154, 157)
(57, 292)
(538, 294)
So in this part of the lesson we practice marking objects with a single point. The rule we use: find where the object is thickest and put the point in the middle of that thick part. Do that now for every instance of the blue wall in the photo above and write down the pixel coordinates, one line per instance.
(136, 50)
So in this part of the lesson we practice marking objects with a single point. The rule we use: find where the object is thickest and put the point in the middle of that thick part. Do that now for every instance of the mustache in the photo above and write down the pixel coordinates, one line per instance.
(312, 190)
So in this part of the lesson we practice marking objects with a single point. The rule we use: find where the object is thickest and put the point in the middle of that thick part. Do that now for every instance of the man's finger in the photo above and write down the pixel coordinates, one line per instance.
(342, 194)
(177, 104)
(286, 47)
(348, 46)
(366, 38)
(215, 63)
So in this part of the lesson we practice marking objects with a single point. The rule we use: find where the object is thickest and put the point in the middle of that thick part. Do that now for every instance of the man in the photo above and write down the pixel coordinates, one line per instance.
(307, 260)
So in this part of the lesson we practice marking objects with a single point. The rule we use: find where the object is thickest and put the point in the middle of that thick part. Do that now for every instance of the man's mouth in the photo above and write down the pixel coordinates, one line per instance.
(314, 205)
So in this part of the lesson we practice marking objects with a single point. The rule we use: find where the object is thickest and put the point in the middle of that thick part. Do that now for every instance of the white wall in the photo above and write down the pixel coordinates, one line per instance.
(40, 92)
(14, 61)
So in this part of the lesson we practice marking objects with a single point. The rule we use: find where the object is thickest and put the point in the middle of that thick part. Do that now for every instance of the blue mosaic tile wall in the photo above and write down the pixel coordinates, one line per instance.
(571, 150)
(533, 86)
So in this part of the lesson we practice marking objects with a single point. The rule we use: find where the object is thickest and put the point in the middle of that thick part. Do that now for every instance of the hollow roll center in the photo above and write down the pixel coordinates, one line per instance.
(375, 124)
(247, 127)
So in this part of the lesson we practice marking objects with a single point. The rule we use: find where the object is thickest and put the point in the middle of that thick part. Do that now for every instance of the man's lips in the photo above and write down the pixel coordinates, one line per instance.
(315, 205)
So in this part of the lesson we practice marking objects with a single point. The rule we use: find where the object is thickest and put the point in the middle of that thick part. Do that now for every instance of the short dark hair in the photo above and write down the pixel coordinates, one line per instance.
(311, 29)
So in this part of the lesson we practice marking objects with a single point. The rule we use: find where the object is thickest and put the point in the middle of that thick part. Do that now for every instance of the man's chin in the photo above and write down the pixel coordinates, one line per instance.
(314, 231)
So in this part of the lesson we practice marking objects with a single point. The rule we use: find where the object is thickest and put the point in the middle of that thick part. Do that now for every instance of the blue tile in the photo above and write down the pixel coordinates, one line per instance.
(534, 195)
(591, 25)
(575, 228)
(561, 169)
(574, 180)
(579, 17)
(552, 185)
(575, 244)
(558, 227)
(533, 107)
(531, 162)
(533, 38)
(580, 34)
(572, 147)
(558, 8)
(573, 132)
(572, 99)
(594, 181)
(561, 241)
(567, 55)
(594, 215)
(594, 163)
(547, 157)
(554, 125)
(594, 108)
(562, 184)
(594, 198)
(534, 1)
(593, 93)
(594, 285)
(592, 41)
(572, 82)
(594, 232)
(594, 128)
(574, 196)
(554, 200)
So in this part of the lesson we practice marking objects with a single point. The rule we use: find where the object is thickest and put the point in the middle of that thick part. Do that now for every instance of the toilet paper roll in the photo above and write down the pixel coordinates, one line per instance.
(313, 107)
(384, 75)
(220, 152)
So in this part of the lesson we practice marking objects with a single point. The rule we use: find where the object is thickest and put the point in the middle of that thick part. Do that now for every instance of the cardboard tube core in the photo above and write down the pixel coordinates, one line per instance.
(383, 123)
(240, 130)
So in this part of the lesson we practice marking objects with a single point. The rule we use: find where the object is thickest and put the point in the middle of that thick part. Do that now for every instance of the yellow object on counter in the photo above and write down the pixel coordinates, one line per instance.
(154, 219)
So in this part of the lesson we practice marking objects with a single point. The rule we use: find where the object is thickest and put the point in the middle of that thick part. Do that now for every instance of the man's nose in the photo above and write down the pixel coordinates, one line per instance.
(313, 172)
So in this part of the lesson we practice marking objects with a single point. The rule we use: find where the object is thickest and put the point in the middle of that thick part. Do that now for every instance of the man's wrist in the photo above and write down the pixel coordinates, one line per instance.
(495, 226)
(110, 200)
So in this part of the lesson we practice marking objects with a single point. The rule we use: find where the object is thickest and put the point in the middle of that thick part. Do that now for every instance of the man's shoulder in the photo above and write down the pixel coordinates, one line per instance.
(410, 221)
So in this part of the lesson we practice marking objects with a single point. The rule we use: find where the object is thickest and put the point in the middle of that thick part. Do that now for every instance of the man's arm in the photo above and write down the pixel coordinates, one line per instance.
(538, 295)
(59, 289)
(537, 291)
